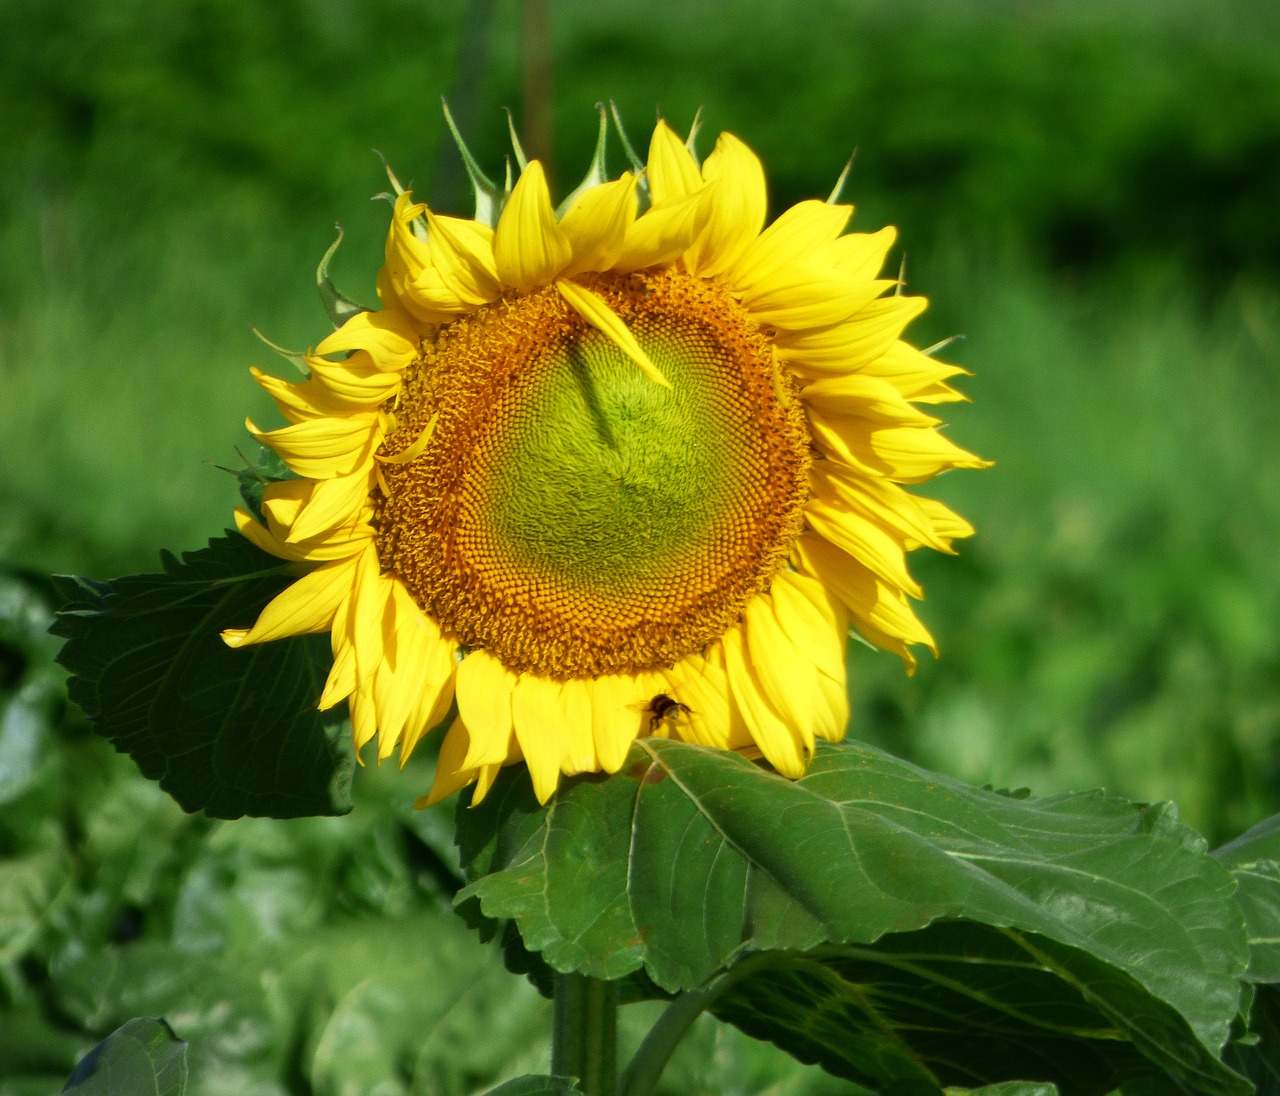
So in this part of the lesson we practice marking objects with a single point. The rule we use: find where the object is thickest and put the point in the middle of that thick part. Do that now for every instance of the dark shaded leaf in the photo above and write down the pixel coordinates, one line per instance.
(228, 732)
(1087, 918)
(142, 1058)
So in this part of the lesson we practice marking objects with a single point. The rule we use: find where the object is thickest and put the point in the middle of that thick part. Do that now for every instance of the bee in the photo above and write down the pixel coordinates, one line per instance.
(662, 708)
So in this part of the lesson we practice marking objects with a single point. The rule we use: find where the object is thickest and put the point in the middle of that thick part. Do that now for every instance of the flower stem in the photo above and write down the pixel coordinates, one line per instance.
(584, 1040)
(645, 1070)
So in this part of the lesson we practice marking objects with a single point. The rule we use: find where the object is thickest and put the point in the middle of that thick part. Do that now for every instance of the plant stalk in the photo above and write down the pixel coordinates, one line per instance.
(584, 1039)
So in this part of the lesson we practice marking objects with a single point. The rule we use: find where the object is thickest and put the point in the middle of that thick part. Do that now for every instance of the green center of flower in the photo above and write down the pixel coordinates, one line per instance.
(571, 515)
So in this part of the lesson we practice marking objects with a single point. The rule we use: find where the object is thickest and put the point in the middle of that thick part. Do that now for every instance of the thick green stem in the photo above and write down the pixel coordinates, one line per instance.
(584, 1042)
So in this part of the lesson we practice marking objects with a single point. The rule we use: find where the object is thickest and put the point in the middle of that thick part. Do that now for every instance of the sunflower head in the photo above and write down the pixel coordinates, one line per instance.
(628, 467)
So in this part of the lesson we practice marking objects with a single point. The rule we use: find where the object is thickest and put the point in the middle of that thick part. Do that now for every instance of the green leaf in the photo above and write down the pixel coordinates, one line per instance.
(536, 1086)
(1259, 1060)
(142, 1058)
(1254, 860)
(224, 731)
(1084, 920)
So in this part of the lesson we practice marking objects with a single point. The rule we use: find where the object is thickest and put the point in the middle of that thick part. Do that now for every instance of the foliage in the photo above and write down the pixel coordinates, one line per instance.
(227, 732)
(142, 1056)
(1061, 939)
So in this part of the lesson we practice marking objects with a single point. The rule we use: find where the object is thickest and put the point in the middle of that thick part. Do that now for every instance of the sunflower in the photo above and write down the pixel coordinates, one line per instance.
(630, 467)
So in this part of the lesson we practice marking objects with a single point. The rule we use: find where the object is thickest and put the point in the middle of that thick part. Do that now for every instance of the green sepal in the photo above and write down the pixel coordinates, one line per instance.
(637, 165)
(691, 142)
(142, 1056)
(596, 170)
(229, 732)
(297, 358)
(261, 468)
(339, 306)
(517, 149)
(489, 197)
(834, 197)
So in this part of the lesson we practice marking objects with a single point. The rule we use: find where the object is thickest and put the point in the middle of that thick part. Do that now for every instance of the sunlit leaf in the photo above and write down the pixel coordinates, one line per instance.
(920, 931)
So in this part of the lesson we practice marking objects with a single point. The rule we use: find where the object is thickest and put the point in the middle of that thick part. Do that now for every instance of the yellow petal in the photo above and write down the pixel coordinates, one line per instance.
(529, 247)
(864, 397)
(780, 743)
(738, 204)
(864, 540)
(673, 172)
(440, 666)
(791, 240)
(462, 253)
(415, 448)
(408, 261)
(808, 296)
(812, 620)
(332, 503)
(879, 612)
(596, 225)
(600, 316)
(452, 773)
(617, 718)
(364, 718)
(409, 669)
(328, 395)
(285, 503)
(849, 345)
(662, 233)
(484, 687)
(947, 524)
(576, 718)
(535, 710)
(371, 594)
(307, 606)
(324, 448)
(701, 686)
(878, 500)
(256, 533)
(818, 625)
(787, 678)
(911, 371)
(387, 337)
(341, 682)
(342, 676)
(906, 454)
(354, 380)
(860, 254)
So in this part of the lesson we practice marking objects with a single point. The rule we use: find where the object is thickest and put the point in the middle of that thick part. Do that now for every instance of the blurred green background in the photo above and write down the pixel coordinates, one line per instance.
(1087, 193)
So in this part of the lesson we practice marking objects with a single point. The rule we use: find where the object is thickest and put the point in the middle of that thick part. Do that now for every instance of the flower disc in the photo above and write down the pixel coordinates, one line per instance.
(574, 517)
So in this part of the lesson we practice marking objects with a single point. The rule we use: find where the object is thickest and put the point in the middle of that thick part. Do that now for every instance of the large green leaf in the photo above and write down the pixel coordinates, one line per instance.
(142, 1058)
(1254, 859)
(924, 932)
(228, 732)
